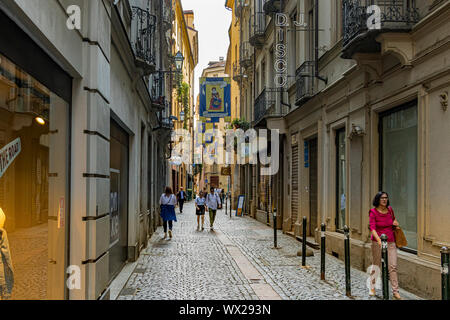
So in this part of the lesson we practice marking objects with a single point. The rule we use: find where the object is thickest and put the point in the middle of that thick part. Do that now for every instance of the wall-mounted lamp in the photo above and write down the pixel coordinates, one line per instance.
(40, 120)
(357, 131)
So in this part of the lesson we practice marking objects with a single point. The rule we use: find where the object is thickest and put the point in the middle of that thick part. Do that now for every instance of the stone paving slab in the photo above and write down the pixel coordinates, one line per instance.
(236, 262)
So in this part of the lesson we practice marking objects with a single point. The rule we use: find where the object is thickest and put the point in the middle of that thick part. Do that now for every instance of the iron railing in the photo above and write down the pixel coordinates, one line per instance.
(265, 104)
(304, 77)
(396, 15)
(257, 29)
(246, 53)
(157, 88)
(143, 36)
(237, 72)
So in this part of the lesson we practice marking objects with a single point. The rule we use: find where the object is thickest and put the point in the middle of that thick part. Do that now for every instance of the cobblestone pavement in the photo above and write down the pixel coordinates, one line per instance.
(215, 265)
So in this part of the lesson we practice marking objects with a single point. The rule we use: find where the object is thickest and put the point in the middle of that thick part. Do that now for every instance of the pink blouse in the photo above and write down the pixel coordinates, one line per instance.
(382, 223)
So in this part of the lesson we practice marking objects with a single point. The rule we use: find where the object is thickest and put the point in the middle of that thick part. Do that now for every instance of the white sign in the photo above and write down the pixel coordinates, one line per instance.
(8, 154)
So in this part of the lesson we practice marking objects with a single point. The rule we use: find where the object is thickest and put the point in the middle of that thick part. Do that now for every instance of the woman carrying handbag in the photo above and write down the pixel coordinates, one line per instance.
(382, 221)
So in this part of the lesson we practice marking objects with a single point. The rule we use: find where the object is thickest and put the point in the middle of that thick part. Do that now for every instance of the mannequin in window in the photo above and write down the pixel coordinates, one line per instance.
(6, 268)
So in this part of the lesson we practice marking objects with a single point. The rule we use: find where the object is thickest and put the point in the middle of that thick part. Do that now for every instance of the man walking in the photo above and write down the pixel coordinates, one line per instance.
(181, 197)
(213, 203)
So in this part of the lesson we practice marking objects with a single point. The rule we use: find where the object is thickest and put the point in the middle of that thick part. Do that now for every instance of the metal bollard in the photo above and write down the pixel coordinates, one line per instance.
(231, 204)
(384, 266)
(267, 215)
(226, 204)
(322, 251)
(445, 253)
(348, 284)
(304, 242)
(275, 228)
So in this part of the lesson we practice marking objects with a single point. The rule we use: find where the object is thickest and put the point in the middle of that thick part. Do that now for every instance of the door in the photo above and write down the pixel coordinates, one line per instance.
(312, 144)
(119, 156)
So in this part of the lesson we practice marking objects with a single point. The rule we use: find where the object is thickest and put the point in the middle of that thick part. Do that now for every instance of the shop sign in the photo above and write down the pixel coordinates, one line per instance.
(8, 154)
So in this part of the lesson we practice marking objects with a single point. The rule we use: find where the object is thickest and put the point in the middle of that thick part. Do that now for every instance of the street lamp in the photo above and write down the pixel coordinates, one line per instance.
(179, 59)
(182, 116)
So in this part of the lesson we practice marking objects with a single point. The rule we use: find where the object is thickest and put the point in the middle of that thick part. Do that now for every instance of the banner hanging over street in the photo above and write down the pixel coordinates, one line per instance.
(215, 98)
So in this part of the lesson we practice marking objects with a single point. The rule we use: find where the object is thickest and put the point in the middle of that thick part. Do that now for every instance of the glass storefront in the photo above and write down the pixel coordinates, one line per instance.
(399, 167)
(341, 179)
(33, 187)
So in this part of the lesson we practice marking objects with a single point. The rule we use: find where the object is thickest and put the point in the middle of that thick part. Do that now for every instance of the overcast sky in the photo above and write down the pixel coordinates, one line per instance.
(212, 21)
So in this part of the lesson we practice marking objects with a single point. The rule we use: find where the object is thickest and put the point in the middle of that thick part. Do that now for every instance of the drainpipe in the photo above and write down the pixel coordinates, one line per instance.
(316, 43)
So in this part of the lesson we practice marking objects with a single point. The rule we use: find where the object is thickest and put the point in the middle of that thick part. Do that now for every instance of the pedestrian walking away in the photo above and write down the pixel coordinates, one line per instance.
(181, 197)
(168, 202)
(212, 203)
(200, 210)
(382, 221)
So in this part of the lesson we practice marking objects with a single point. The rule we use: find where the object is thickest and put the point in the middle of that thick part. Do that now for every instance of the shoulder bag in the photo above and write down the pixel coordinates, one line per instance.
(400, 238)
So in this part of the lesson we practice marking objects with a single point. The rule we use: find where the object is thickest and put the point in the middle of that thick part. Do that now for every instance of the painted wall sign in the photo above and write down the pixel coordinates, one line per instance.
(8, 154)
(215, 98)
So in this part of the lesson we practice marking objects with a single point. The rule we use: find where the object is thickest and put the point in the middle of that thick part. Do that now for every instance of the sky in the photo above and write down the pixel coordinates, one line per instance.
(212, 21)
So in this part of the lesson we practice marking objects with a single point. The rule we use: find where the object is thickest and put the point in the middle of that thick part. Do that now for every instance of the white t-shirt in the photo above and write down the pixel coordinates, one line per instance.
(212, 201)
(171, 200)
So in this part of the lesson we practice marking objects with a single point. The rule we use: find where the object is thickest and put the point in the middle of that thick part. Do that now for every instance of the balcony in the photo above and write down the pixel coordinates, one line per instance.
(396, 16)
(304, 77)
(143, 39)
(273, 6)
(237, 72)
(265, 105)
(157, 91)
(168, 15)
(246, 55)
(257, 29)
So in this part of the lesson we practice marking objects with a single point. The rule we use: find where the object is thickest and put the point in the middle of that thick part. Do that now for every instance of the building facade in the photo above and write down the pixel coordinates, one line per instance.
(362, 110)
(85, 123)
(184, 40)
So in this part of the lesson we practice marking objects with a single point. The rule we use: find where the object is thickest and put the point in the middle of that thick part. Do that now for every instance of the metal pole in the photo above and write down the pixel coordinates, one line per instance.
(304, 242)
(384, 266)
(231, 204)
(322, 251)
(275, 227)
(348, 285)
(226, 204)
(445, 252)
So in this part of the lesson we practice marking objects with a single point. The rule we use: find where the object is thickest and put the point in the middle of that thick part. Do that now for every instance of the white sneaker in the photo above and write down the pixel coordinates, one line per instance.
(372, 292)
(170, 234)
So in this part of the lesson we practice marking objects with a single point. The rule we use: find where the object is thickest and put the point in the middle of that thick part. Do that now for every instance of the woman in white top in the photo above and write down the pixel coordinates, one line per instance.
(213, 203)
(200, 205)
(168, 202)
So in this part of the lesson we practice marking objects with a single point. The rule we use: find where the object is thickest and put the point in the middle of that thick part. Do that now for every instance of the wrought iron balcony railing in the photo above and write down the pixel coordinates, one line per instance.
(273, 6)
(143, 39)
(237, 71)
(265, 104)
(246, 54)
(157, 90)
(396, 16)
(257, 29)
(304, 77)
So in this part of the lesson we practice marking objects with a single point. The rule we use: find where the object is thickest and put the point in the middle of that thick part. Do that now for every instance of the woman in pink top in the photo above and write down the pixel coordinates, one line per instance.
(382, 221)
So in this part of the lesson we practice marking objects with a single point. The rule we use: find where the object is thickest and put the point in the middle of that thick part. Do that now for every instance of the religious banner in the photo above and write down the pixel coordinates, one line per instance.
(215, 98)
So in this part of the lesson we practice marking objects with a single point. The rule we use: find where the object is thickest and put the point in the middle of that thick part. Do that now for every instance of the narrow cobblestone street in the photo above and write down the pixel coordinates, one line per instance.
(236, 261)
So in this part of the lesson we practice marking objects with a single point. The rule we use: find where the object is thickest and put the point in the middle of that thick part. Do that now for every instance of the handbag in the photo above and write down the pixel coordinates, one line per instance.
(400, 238)
(219, 205)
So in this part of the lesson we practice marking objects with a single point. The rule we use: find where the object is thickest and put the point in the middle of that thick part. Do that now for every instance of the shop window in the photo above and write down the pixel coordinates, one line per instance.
(398, 166)
(33, 187)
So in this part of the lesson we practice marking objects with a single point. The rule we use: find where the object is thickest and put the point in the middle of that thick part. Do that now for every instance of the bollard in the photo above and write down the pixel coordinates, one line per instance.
(275, 228)
(226, 204)
(384, 266)
(267, 215)
(444, 272)
(348, 285)
(322, 251)
(304, 242)
(231, 204)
